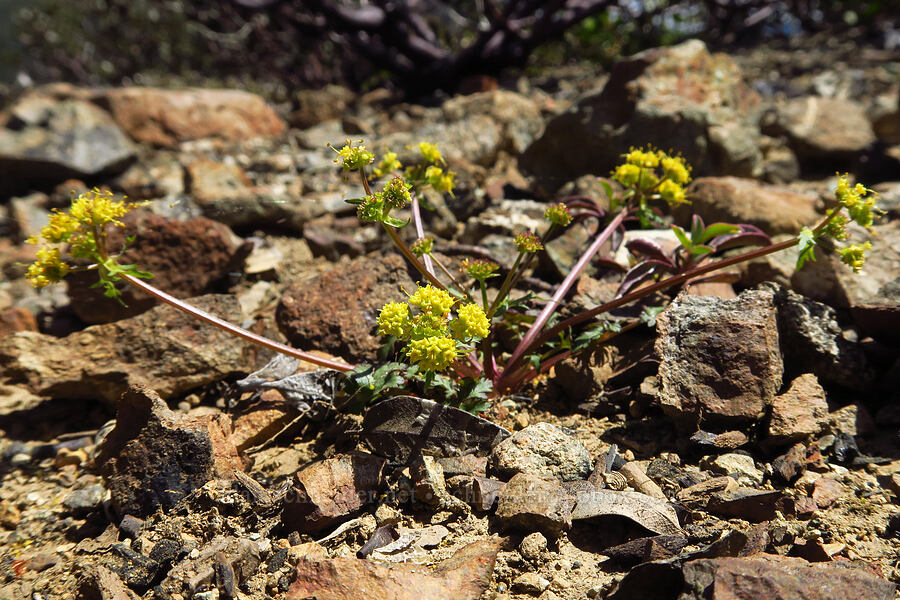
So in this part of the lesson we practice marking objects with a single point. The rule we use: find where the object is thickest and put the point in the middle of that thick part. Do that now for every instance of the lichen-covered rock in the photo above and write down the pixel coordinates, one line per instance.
(720, 359)
(544, 450)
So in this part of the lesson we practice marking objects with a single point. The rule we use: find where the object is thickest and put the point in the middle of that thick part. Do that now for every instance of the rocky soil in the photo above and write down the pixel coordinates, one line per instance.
(747, 447)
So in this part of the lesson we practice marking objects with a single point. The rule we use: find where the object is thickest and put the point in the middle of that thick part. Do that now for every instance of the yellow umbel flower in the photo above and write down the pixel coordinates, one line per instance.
(527, 242)
(558, 214)
(432, 353)
(627, 174)
(471, 322)
(352, 158)
(47, 268)
(387, 164)
(432, 301)
(858, 200)
(394, 319)
(430, 152)
(479, 269)
(644, 159)
(98, 208)
(675, 169)
(854, 255)
(672, 193)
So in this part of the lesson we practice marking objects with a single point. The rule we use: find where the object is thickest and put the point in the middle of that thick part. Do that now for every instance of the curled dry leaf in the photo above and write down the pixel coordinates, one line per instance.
(653, 514)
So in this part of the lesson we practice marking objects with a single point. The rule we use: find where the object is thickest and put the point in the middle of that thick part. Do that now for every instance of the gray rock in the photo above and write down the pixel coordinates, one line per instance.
(822, 128)
(543, 450)
(85, 500)
(680, 97)
(53, 140)
(739, 466)
(812, 341)
(720, 359)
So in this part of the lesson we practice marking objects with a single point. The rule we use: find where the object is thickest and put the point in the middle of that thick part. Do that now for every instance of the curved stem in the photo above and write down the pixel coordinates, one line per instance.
(564, 288)
(420, 230)
(257, 339)
(401, 245)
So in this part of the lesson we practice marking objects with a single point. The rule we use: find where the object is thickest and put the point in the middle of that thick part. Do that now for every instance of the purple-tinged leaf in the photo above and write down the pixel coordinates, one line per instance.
(608, 263)
(648, 248)
(640, 273)
(745, 238)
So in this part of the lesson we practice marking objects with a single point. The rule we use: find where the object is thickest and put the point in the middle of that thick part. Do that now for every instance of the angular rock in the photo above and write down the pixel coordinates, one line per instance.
(430, 487)
(532, 502)
(169, 117)
(263, 420)
(827, 491)
(772, 208)
(50, 140)
(813, 342)
(745, 503)
(102, 361)
(104, 584)
(678, 97)
(851, 420)
(817, 128)
(544, 450)
(772, 576)
(312, 107)
(518, 116)
(728, 440)
(790, 465)
(238, 557)
(800, 412)
(160, 245)
(530, 583)
(720, 359)
(336, 311)
(85, 500)
(332, 489)
(154, 457)
(467, 573)
(657, 547)
(739, 466)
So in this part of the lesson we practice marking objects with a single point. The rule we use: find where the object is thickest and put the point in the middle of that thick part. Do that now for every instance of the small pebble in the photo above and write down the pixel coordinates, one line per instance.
(19, 460)
(86, 499)
(533, 546)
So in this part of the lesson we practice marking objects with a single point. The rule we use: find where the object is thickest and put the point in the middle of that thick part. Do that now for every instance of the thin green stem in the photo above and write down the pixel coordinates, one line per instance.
(234, 329)
(484, 300)
(505, 286)
(452, 278)
(401, 245)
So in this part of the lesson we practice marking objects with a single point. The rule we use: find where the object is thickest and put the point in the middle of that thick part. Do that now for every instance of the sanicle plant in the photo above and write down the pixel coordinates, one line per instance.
(446, 329)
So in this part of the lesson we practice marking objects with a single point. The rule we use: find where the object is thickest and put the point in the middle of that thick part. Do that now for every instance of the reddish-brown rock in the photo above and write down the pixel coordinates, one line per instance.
(169, 117)
(799, 412)
(154, 457)
(332, 489)
(529, 501)
(260, 422)
(17, 319)
(771, 576)
(187, 259)
(464, 576)
(827, 491)
(336, 311)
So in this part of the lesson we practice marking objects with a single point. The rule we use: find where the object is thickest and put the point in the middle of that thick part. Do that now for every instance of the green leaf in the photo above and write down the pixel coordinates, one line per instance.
(355, 201)
(395, 222)
(470, 389)
(700, 250)
(648, 316)
(682, 237)
(807, 244)
(717, 229)
(696, 229)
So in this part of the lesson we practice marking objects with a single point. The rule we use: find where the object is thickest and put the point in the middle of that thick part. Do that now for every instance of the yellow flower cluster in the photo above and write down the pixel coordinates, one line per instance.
(432, 340)
(88, 215)
(527, 242)
(387, 164)
(430, 153)
(655, 172)
(422, 246)
(479, 269)
(353, 158)
(858, 200)
(440, 180)
(854, 255)
(558, 214)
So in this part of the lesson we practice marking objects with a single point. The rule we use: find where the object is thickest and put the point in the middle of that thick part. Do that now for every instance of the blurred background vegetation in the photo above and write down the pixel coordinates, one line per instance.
(275, 46)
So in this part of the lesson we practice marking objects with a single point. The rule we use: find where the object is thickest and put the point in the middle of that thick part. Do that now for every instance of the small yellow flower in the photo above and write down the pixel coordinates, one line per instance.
(432, 353)
(97, 208)
(854, 255)
(672, 193)
(858, 200)
(627, 174)
(430, 152)
(47, 268)
(396, 193)
(675, 169)
(471, 322)
(527, 242)
(558, 214)
(644, 159)
(394, 319)
(387, 164)
(479, 269)
(432, 301)
(352, 158)
(422, 246)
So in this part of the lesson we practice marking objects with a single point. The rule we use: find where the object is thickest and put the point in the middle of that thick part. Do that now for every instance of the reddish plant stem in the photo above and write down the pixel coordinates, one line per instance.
(564, 288)
(420, 230)
(234, 329)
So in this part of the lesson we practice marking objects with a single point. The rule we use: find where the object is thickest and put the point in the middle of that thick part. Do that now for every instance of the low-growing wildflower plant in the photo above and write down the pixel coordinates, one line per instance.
(444, 334)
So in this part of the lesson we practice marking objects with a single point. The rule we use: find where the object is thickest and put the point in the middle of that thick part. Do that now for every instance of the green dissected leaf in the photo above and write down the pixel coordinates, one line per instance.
(442, 382)
(597, 332)
(475, 406)
(471, 389)
(368, 382)
(807, 246)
